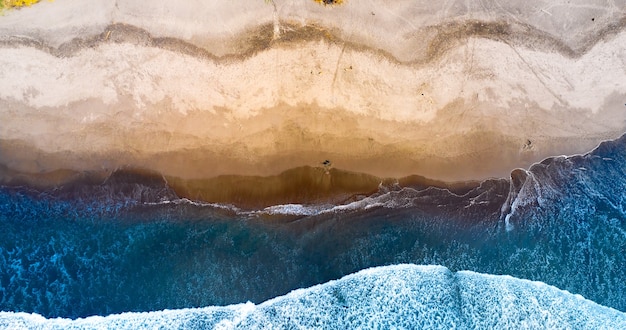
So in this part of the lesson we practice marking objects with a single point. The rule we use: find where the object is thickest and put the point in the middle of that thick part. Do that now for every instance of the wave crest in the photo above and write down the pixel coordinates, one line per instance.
(400, 296)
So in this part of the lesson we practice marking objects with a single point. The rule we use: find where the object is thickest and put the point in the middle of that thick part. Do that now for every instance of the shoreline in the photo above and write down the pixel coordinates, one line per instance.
(302, 185)
(306, 185)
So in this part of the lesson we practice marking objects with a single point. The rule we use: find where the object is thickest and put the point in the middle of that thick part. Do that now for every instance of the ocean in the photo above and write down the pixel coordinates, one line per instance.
(130, 245)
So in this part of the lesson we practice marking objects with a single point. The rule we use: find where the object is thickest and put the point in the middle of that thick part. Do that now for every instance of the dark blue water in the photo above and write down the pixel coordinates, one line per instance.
(562, 223)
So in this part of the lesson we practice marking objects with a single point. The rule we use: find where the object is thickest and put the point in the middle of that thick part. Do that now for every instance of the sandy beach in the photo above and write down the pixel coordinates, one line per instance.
(200, 90)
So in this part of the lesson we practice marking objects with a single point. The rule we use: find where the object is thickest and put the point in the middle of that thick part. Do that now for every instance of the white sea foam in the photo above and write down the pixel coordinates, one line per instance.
(185, 201)
(393, 200)
(293, 209)
(400, 296)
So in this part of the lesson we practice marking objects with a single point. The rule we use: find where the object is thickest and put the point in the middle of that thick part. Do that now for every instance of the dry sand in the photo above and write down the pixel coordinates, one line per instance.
(197, 90)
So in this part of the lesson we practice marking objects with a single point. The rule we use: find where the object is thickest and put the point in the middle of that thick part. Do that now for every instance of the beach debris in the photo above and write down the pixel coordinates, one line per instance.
(528, 145)
(329, 2)
(327, 165)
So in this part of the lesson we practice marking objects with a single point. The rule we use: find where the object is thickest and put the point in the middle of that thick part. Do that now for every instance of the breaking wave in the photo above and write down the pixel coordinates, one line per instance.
(400, 296)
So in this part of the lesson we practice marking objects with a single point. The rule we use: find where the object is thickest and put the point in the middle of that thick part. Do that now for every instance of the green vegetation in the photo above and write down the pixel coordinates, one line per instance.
(322, 2)
(329, 2)
(6, 4)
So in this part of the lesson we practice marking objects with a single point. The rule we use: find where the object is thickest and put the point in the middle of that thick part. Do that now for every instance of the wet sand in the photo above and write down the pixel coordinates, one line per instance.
(302, 185)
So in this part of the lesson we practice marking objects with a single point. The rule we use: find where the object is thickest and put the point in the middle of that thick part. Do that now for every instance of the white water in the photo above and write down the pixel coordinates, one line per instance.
(400, 296)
